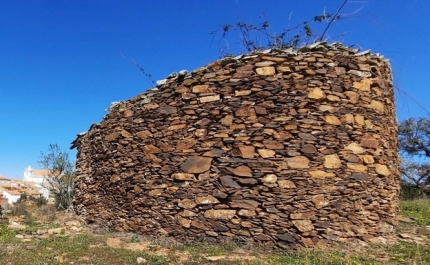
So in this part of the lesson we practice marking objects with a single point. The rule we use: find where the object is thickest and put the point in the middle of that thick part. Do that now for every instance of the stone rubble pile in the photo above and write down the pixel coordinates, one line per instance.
(281, 147)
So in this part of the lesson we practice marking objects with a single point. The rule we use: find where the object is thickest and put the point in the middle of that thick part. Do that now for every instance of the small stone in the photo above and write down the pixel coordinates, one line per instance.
(303, 225)
(220, 214)
(355, 148)
(271, 144)
(286, 184)
(360, 176)
(369, 141)
(269, 179)
(183, 176)
(367, 159)
(140, 260)
(357, 167)
(200, 89)
(298, 162)
(378, 106)
(196, 164)
(286, 237)
(247, 151)
(307, 137)
(187, 204)
(144, 134)
(353, 97)
(382, 170)
(319, 201)
(319, 174)
(228, 182)
(269, 70)
(242, 93)
(316, 94)
(246, 212)
(332, 161)
(206, 200)
(215, 258)
(210, 98)
(333, 98)
(242, 171)
(309, 149)
(266, 153)
(156, 192)
(332, 120)
(364, 85)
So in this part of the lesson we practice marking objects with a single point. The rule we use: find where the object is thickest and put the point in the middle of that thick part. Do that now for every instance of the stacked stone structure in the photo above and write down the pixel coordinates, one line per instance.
(283, 147)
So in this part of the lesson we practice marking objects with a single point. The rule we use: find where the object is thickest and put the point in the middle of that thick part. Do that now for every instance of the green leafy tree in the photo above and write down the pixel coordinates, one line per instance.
(414, 143)
(60, 177)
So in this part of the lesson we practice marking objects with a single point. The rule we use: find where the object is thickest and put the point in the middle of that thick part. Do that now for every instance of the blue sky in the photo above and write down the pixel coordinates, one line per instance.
(63, 62)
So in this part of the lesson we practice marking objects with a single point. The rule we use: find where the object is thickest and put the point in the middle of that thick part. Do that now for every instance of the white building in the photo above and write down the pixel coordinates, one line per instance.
(11, 195)
(39, 177)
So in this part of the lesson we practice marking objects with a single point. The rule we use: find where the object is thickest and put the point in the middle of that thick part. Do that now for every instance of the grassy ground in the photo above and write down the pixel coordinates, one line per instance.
(88, 247)
(418, 210)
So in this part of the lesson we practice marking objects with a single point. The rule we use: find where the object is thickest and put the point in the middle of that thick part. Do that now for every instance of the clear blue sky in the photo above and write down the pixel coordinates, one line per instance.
(62, 62)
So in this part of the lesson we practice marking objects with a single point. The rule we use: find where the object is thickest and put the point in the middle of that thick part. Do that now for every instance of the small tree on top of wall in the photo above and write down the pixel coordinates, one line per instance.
(256, 37)
(60, 176)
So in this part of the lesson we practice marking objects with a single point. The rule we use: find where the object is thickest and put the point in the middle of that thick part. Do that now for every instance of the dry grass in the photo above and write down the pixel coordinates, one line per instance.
(99, 246)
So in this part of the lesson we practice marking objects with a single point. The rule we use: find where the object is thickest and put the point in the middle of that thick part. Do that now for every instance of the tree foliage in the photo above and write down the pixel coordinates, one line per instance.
(60, 176)
(414, 143)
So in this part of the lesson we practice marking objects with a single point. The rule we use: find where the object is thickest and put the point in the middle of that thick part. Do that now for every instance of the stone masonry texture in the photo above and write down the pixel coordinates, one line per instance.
(281, 147)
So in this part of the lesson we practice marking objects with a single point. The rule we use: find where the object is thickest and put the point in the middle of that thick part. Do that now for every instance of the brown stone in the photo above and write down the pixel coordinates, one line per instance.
(209, 199)
(196, 164)
(369, 141)
(247, 151)
(151, 149)
(286, 184)
(266, 153)
(303, 225)
(332, 120)
(210, 98)
(184, 222)
(245, 204)
(355, 148)
(357, 167)
(156, 192)
(378, 106)
(316, 94)
(382, 170)
(363, 85)
(269, 179)
(242, 93)
(144, 134)
(308, 149)
(220, 214)
(298, 162)
(353, 97)
(200, 89)
(271, 144)
(332, 161)
(367, 159)
(183, 176)
(242, 171)
(319, 174)
(187, 204)
(246, 213)
(319, 201)
(269, 70)
(245, 112)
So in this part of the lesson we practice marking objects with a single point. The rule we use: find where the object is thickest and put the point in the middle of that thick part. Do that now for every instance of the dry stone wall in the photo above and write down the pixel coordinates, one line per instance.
(283, 147)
